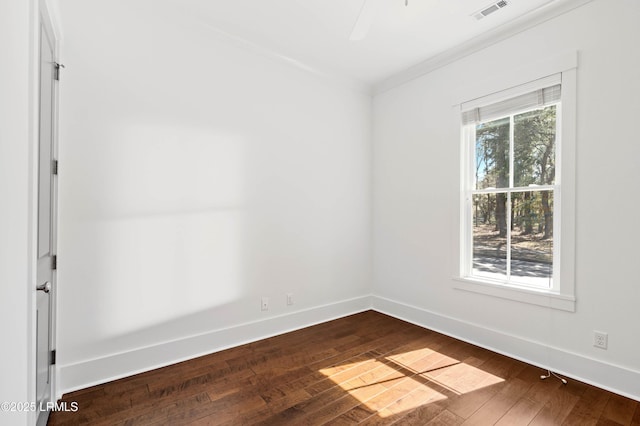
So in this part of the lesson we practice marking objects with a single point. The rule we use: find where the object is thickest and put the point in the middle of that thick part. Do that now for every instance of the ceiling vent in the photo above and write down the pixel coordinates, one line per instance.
(488, 10)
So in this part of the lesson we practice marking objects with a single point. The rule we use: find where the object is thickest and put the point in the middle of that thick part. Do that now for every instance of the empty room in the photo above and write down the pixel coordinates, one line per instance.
(319, 212)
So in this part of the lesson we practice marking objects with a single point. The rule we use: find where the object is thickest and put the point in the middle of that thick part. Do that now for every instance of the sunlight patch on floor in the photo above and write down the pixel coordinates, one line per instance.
(393, 384)
(462, 378)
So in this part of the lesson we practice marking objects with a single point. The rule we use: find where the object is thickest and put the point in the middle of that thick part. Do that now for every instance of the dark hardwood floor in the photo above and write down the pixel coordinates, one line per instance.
(363, 369)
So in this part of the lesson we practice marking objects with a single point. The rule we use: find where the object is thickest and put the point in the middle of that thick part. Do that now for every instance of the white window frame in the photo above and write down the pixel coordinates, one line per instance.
(562, 294)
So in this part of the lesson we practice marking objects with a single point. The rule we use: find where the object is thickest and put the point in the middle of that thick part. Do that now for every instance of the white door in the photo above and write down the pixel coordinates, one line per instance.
(46, 223)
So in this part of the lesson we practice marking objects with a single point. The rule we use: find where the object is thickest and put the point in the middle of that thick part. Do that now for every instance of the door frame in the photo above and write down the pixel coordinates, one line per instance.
(43, 17)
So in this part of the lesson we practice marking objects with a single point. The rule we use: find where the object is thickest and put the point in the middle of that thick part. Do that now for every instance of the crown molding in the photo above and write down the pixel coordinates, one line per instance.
(482, 41)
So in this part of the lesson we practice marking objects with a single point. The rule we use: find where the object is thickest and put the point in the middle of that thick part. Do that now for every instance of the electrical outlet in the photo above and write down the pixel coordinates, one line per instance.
(600, 339)
(264, 304)
(289, 299)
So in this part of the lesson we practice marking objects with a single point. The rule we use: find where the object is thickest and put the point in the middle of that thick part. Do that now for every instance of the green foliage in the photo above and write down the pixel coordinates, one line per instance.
(492, 154)
(534, 147)
(534, 140)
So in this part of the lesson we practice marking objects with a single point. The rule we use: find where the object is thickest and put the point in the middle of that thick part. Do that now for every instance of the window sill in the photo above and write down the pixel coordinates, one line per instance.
(541, 297)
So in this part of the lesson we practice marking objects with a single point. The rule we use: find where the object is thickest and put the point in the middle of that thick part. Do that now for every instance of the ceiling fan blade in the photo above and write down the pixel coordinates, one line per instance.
(365, 19)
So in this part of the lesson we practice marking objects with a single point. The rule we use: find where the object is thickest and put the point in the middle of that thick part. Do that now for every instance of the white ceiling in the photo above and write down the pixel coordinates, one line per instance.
(316, 33)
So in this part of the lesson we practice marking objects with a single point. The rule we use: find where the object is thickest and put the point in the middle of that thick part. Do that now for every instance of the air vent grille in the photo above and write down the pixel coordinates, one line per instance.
(488, 10)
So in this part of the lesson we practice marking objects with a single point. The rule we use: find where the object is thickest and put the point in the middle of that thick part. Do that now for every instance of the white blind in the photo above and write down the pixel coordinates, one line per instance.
(537, 98)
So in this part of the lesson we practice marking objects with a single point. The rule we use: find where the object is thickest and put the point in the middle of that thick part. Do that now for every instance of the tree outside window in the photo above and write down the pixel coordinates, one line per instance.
(512, 197)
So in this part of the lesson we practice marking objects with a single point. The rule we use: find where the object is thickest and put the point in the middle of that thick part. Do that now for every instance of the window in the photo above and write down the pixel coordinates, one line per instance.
(511, 205)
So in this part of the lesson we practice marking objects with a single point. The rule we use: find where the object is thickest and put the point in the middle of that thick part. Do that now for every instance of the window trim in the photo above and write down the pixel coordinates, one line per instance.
(562, 296)
(470, 185)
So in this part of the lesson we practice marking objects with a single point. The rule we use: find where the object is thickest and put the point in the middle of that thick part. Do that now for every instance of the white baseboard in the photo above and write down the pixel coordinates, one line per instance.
(617, 379)
(88, 373)
(96, 371)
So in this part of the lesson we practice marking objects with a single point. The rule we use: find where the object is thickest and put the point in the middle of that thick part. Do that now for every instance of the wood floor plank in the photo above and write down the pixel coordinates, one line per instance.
(158, 400)
(557, 408)
(163, 413)
(540, 390)
(344, 390)
(635, 421)
(445, 418)
(499, 404)
(464, 406)
(406, 388)
(419, 416)
(579, 420)
(401, 397)
(619, 409)
(366, 368)
(355, 415)
(589, 407)
(522, 412)
(423, 394)
(273, 387)
(394, 401)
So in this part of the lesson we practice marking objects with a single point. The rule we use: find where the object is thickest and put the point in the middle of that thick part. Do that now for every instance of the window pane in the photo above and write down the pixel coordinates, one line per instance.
(489, 246)
(534, 137)
(492, 154)
(532, 238)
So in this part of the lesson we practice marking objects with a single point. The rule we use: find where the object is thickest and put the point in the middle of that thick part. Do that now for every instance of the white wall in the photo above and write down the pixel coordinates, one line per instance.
(17, 363)
(198, 174)
(415, 173)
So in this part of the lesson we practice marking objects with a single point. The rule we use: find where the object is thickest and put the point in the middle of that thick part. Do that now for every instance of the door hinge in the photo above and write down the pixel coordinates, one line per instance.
(52, 357)
(56, 71)
(54, 167)
(54, 262)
